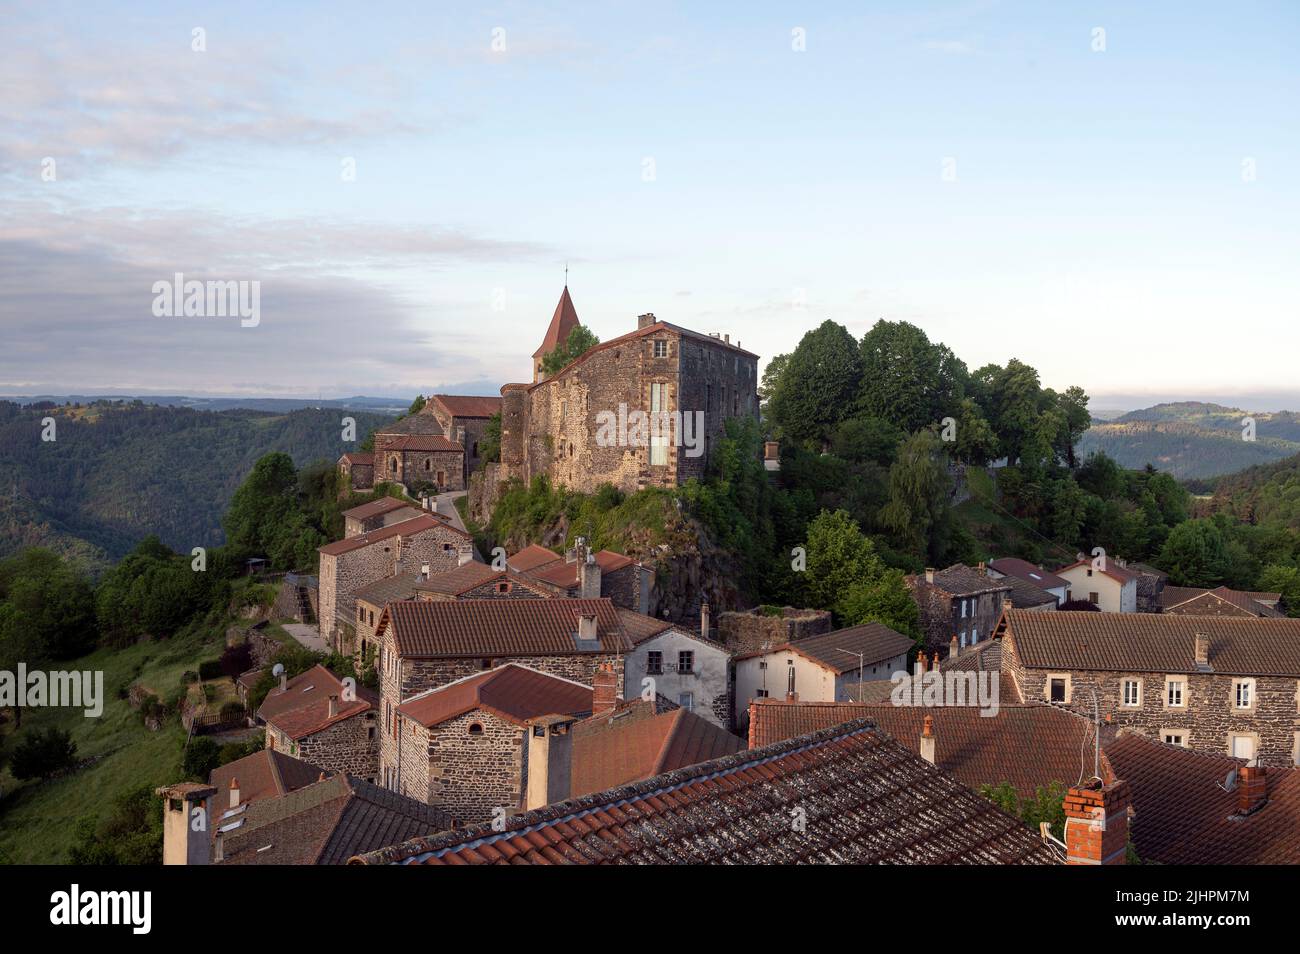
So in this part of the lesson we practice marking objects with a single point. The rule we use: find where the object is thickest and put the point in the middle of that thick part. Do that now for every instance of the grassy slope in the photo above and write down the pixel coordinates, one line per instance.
(38, 819)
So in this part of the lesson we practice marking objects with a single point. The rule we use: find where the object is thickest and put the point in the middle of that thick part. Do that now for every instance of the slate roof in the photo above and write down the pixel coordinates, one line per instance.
(864, 798)
(636, 744)
(510, 627)
(1025, 595)
(407, 528)
(1145, 642)
(961, 580)
(328, 822)
(423, 442)
(875, 641)
(390, 589)
(376, 508)
(1024, 570)
(1182, 816)
(465, 405)
(513, 692)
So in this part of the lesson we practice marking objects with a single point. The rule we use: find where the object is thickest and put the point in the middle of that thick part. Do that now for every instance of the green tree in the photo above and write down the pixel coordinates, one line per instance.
(130, 835)
(580, 340)
(817, 385)
(839, 555)
(885, 599)
(917, 512)
(907, 380)
(416, 406)
(46, 607)
(489, 445)
(1046, 805)
(1276, 578)
(43, 752)
(1195, 554)
(265, 499)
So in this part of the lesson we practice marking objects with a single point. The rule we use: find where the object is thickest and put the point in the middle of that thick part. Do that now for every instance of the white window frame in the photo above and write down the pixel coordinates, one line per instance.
(1248, 685)
(1047, 687)
(1182, 692)
(1123, 690)
(1180, 733)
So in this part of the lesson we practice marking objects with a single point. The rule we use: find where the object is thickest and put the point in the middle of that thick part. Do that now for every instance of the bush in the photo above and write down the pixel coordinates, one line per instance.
(42, 753)
(202, 755)
(237, 659)
(189, 677)
(131, 835)
(211, 669)
(1086, 606)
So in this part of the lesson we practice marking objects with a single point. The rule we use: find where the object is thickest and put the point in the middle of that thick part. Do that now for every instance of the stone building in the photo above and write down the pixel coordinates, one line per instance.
(425, 644)
(426, 543)
(317, 718)
(376, 515)
(1189, 601)
(959, 601)
(745, 631)
(590, 423)
(441, 439)
(357, 469)
(465, 418)
(1227, 685)
(414, 460)
(463, 747)
(586, 574)
(686, 668)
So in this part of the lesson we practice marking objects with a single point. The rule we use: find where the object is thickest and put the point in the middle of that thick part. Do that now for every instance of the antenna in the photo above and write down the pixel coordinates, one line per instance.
(1230, 780)
(277, 670)
(566, 274)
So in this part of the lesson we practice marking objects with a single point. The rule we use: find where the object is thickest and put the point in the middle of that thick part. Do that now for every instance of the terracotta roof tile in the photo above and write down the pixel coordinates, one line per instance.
(514, 692)
(530, 558)
(458, 405)
(377, 508)
(562, 323)
(471, 575)
(565, 574)
(1029, 572)
(423, 442)
(512, 627)
(838, 650)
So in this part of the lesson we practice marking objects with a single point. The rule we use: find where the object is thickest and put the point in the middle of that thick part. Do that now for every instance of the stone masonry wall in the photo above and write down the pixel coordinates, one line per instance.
(350, 745)
(750, 630)
(470, 774)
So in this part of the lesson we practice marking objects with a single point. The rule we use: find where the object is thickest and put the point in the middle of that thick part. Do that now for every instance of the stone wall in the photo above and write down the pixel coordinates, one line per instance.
(412, 468)
(349, 745)
(750, 630)
(472, 773)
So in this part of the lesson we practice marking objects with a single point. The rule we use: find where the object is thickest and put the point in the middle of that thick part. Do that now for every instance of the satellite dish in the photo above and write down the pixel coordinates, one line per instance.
(278, 670)
(1230, 781)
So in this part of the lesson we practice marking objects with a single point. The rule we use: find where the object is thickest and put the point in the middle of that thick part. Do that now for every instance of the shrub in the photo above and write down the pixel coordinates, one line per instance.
(42, 753)
(210, 669)
(202, 755)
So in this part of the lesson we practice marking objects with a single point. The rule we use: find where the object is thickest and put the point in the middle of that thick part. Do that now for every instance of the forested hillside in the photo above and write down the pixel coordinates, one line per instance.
(119, 472)
(1194, 440)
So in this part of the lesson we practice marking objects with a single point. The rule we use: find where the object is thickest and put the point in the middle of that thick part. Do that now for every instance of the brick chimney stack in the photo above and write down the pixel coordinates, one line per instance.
(1252, 789)
(935, 664)
(921, 661)
(604, 690)
(1006, 603)
(927, 740)
(1202, 650)
(550, 760)
(588, 575)
(1096, 824)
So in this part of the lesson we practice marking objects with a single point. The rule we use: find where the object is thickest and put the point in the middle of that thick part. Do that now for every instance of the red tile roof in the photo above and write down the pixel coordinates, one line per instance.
(565, 574)
(639, 628)
(1221, 601)
(471, 575)
(313, 717)
(264, 774)
(530, 558)
(563, 321)
(512, 627)
(838, 651)
(405, 528)
(864, 797)
(1113, 570)
(636, 744)
(314, 685)
(423, 442)
(359, 457)
(1145, 642)
(468, 405)
(1024, 570)
(513, 692)
(377, 508)
(1182, 816)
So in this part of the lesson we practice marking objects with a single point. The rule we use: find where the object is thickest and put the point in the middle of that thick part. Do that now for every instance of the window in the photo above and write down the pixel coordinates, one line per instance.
(428, 464)
(654, 662)
(686, 700)
(1175, 738)
(1057, 689)
(503, 587)
(762, 665)
(1243, 693)
(760, 693)
(1132, 693)
(963, 609)
(686, 661)
(475, 728)
(1174, 690)
(1242, 746)
(485, 663)
(473, 452)
(392, 464)
(1094, 597)
(361, 614)
(661, 349)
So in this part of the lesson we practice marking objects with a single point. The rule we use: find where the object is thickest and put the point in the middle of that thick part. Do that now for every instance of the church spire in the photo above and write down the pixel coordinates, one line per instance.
(563, 321)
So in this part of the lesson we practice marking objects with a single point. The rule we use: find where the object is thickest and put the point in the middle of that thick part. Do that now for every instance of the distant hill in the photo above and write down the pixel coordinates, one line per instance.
(120, 471)
(1192, 439)
(376, 405)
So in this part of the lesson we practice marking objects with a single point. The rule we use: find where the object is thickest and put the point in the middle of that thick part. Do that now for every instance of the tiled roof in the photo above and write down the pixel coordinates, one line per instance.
(377, 508)
(1029, 746)
(410, 424)
(961, 580)
(530, 558)
(636, 744)
(1113, 570)
(458, 405)
(305, 720)
(838, 651)
(514, 627)
(314, 685)
(1182, 816)
(1221, 601)
(639, 627)
(359, 457)
(1024, 570)
(515, 693)
(264, 774)
(328, 822)
(565, 574)
(423, 442)
(1025, 595)
(986, 656)
(390, 589)
(863, 798)
(468, 576)
(563, 321)
(1145, 642)
(405, 528)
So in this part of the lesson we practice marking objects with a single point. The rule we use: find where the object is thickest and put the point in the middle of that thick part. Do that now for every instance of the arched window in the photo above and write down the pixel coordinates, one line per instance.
(428, 464)
(475, 728)
(392, 464)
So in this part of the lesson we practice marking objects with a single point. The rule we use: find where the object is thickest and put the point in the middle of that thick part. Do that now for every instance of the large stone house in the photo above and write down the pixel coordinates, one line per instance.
(1189, 601)
(1228, 685)
(959, 601)
(438, 445)
(833, 667)
(581, 428)
(465, 418)
(463, 747)
(426, 544)
(686, 668)
(317, 718)
(425, 644)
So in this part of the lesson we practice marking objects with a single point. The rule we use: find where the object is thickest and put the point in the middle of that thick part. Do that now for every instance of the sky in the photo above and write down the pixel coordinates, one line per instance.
(1106, 191)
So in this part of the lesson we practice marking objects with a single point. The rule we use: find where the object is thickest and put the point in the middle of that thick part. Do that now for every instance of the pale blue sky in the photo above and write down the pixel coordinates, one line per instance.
(1099, 226)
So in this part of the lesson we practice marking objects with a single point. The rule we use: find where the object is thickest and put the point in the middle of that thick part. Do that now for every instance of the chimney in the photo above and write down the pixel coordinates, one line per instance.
(982, 569)
(646, 320)
(1006, 603)
(954, 648)
(550, 760)
(284, 682)
(929, 574)
(1096, 824)
(466, 555)
(704, 619)
(182, 845)
(921, 661)
(426, 502)
(927, 740)
(234, 792)
(727, 337)
(334, 706)
(935, 666)
(588, 576)
(1202, 648)
(587, 626)
(1252, 789)
(604, 690)
(792, 697)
